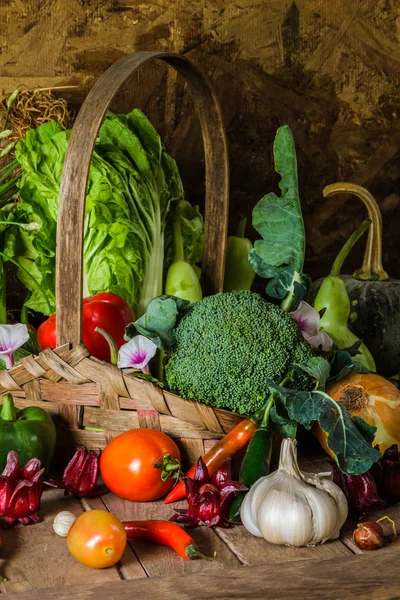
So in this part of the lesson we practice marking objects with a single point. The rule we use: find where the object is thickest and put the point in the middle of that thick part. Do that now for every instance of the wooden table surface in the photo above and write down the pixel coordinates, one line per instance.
(38, 565)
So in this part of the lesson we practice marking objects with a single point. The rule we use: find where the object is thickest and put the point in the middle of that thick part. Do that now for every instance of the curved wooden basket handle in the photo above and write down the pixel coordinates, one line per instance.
(69, 258)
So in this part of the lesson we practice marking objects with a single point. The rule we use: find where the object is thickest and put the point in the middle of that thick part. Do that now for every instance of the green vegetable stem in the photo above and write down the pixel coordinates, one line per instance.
(239, 275)
(181, 280)
(30, 432)
(256, 461)
(333, 298)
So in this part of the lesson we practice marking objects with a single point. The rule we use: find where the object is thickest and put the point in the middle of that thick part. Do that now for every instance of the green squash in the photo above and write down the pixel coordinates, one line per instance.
(374, 297)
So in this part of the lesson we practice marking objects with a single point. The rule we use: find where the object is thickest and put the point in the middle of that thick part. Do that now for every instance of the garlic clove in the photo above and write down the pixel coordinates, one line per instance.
(336, 494)
(247, 514)
(63, 522)
(285, 518)
(324, 514)
(253, 499)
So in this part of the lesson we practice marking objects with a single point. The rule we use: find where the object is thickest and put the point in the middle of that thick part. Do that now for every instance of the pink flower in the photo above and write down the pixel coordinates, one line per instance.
(137, 353)
(12, 337)
(308, 320)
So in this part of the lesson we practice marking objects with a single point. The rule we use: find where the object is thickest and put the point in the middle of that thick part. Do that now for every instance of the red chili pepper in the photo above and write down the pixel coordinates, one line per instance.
(105, 310)
(166, 534)
(231, 443)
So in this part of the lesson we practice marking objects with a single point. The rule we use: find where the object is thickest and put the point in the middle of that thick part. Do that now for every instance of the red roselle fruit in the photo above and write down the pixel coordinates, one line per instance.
(360, 490)
(208, 498)
(20, 491)
(80, 475)
(387, 473)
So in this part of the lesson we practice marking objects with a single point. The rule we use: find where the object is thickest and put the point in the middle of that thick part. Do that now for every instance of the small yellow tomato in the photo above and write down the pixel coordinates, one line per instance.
(97, 539)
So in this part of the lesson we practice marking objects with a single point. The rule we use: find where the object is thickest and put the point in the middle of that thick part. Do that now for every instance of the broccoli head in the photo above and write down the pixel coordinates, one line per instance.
(229, 346)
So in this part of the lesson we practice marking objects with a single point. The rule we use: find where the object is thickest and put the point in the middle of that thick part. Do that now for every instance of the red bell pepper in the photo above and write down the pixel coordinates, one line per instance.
(105, 310)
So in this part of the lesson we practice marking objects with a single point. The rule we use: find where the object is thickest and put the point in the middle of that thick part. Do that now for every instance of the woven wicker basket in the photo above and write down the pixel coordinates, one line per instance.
(77, 389)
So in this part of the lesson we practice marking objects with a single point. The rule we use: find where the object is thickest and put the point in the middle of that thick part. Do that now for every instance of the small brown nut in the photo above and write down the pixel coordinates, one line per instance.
(368, 535)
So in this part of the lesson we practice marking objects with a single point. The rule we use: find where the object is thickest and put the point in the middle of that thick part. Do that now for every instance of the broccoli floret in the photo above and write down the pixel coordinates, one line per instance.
(228, 346)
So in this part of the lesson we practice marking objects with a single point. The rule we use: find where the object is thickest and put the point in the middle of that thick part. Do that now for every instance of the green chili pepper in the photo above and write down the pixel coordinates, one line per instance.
(333, 299)
(239, 275)
(30, 432)
(182, 280)
(256, 461)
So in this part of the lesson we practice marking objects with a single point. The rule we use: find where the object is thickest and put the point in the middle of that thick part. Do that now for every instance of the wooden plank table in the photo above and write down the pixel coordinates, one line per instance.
(38, 565)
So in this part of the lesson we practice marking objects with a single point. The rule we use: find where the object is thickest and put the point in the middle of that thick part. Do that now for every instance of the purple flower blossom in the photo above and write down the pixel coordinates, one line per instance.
(12, 337)
(308, 320)
(136, 353)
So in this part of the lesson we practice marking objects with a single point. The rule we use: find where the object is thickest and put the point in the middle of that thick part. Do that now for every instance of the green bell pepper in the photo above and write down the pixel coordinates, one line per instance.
(239, 275)
(30, 432)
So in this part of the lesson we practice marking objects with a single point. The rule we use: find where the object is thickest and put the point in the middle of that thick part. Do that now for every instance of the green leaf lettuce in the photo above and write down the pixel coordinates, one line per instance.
(132, 186)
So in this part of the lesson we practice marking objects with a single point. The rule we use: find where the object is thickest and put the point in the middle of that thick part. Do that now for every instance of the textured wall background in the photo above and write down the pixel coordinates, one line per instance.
(330, 68)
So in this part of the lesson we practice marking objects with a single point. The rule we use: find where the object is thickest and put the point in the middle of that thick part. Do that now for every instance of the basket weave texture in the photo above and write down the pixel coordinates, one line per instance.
(92, 401)
(80, 391)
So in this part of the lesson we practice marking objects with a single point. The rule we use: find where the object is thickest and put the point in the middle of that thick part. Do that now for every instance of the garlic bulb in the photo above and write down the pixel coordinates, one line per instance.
(294, 508)
(62, 522)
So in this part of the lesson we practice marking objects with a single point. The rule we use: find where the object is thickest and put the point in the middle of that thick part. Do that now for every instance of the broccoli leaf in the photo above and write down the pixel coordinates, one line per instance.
(279, 256)
(341, 365)
(367, 430)
(349, 439)
(318, 368)
(279, 421)
(158, 321)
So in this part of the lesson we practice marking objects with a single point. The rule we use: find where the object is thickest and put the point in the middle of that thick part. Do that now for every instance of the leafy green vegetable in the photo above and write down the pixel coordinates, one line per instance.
(279, 420)
(279, 256)
(349, 438)
(341, 365)
(318, 368)
(191, 224)
(132, 184)
(159, 321)
(8, 226)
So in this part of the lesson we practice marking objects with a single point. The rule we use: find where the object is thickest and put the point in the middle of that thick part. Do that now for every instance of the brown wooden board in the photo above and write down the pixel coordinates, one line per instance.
(34, 556)
(393, 511)
(369, 577)
(256, 551)
(160, 561)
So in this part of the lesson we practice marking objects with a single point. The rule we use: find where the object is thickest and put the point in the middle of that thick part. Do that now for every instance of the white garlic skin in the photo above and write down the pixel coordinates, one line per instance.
(293, 508)
(63, 522)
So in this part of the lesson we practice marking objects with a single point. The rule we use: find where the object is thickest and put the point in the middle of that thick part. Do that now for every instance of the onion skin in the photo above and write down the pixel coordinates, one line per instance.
(379, 406)
(368, 535)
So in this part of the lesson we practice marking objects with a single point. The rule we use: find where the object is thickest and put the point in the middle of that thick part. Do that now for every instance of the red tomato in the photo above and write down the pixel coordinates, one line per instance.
(97, 539)
(105, 310)
(126, 464)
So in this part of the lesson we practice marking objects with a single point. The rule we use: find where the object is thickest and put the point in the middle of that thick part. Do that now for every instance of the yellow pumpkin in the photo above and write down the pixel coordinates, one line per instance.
(374, 399)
